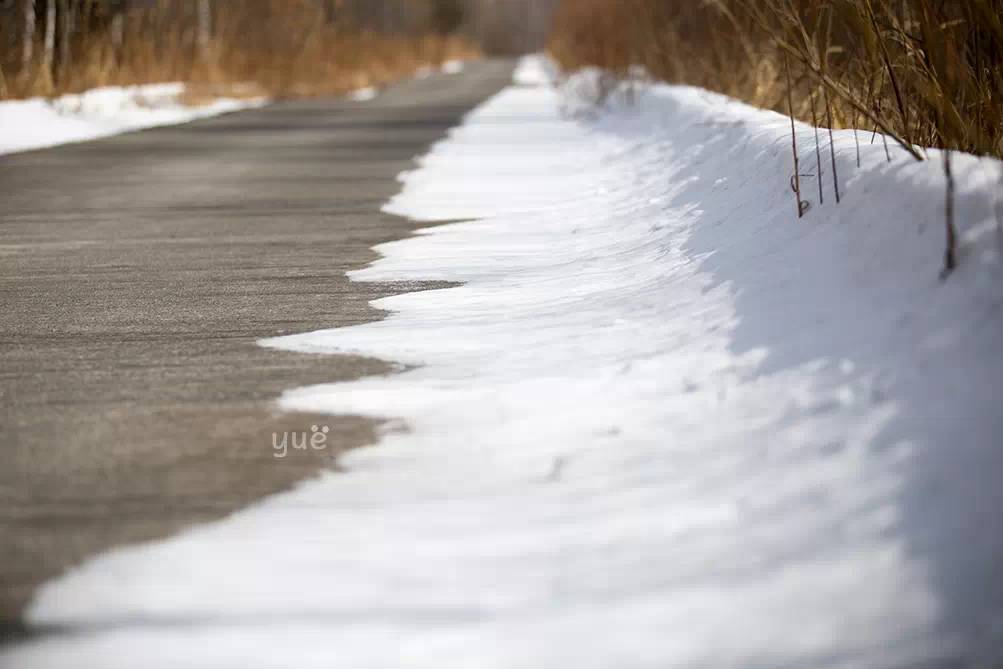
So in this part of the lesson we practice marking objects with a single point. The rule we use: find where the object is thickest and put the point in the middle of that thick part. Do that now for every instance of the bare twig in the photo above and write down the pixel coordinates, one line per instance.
(832, 146)
(950, 251)
(851, 100)
(796, 179)
(856, 137)
(884, 140)
(818, 150)
(891, 71)
(825, 92)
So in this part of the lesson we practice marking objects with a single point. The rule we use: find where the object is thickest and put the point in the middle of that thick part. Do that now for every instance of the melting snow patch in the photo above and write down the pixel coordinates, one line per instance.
(364, 94)
(662, 423)
(535, 70)
(37, 122)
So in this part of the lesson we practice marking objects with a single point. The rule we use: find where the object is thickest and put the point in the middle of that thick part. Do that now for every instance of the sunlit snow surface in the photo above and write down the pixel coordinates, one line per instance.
(37, 123)
(663, 423)
(364, 94)
(453, 67)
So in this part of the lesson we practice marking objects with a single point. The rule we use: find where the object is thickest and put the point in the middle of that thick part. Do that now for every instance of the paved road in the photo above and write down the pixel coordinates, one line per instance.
(136, 274)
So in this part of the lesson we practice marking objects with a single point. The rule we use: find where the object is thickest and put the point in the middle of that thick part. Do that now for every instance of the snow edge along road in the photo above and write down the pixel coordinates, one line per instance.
(38, 123)
(658, 404)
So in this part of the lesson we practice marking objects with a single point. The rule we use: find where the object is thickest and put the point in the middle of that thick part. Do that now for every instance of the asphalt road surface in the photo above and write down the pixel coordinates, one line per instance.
(136, 274)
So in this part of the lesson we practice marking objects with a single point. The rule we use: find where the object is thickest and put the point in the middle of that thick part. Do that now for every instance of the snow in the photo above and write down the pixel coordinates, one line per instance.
(38, 122)
(535, 70)
(453, 67)
(364, 94)
(662, 423)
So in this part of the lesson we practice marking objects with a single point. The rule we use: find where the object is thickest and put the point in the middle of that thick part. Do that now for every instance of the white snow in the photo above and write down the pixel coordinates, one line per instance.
(535, 70)
(663, 423)
(364, 94)
(38, 122)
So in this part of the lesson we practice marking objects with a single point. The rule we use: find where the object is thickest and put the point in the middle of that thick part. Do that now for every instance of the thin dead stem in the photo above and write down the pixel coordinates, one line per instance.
(818, 151)
(796, 179)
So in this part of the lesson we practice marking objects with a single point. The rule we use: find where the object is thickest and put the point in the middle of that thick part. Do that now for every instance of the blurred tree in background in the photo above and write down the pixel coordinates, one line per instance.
(282, 47)
(924, 72)
(447, 16)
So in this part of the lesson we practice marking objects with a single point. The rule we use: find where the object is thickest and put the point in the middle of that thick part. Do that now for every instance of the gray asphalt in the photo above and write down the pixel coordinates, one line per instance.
(136, 274)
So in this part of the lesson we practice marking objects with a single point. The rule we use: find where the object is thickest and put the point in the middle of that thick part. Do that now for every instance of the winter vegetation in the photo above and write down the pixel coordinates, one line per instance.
(266, 47)
(924, 72)
(921, 73)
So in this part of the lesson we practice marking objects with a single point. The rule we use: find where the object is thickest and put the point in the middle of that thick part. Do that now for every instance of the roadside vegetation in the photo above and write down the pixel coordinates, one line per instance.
(921, 73)
(272, 47)
(924, 72)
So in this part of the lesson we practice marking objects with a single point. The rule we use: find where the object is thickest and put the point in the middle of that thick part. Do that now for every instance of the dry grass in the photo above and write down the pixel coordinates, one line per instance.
(281, 48)
(925, 72)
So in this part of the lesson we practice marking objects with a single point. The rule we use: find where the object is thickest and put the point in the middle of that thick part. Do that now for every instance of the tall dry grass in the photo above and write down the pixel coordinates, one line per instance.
(280, 48)
(924, 72)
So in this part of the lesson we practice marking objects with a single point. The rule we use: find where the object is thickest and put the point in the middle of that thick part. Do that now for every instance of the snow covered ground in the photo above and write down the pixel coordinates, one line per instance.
(453, 67)
(662, 423)
(364, 94)
(37, 123)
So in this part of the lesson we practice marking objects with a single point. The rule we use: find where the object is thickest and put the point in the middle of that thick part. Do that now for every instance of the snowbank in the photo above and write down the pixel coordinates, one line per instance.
(663, 423)
(535, 70)
(37, 123)
(364, 94)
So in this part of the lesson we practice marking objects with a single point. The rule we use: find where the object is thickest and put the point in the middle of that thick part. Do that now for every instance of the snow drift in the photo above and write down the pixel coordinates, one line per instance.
(662, 423)
(37, 123)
